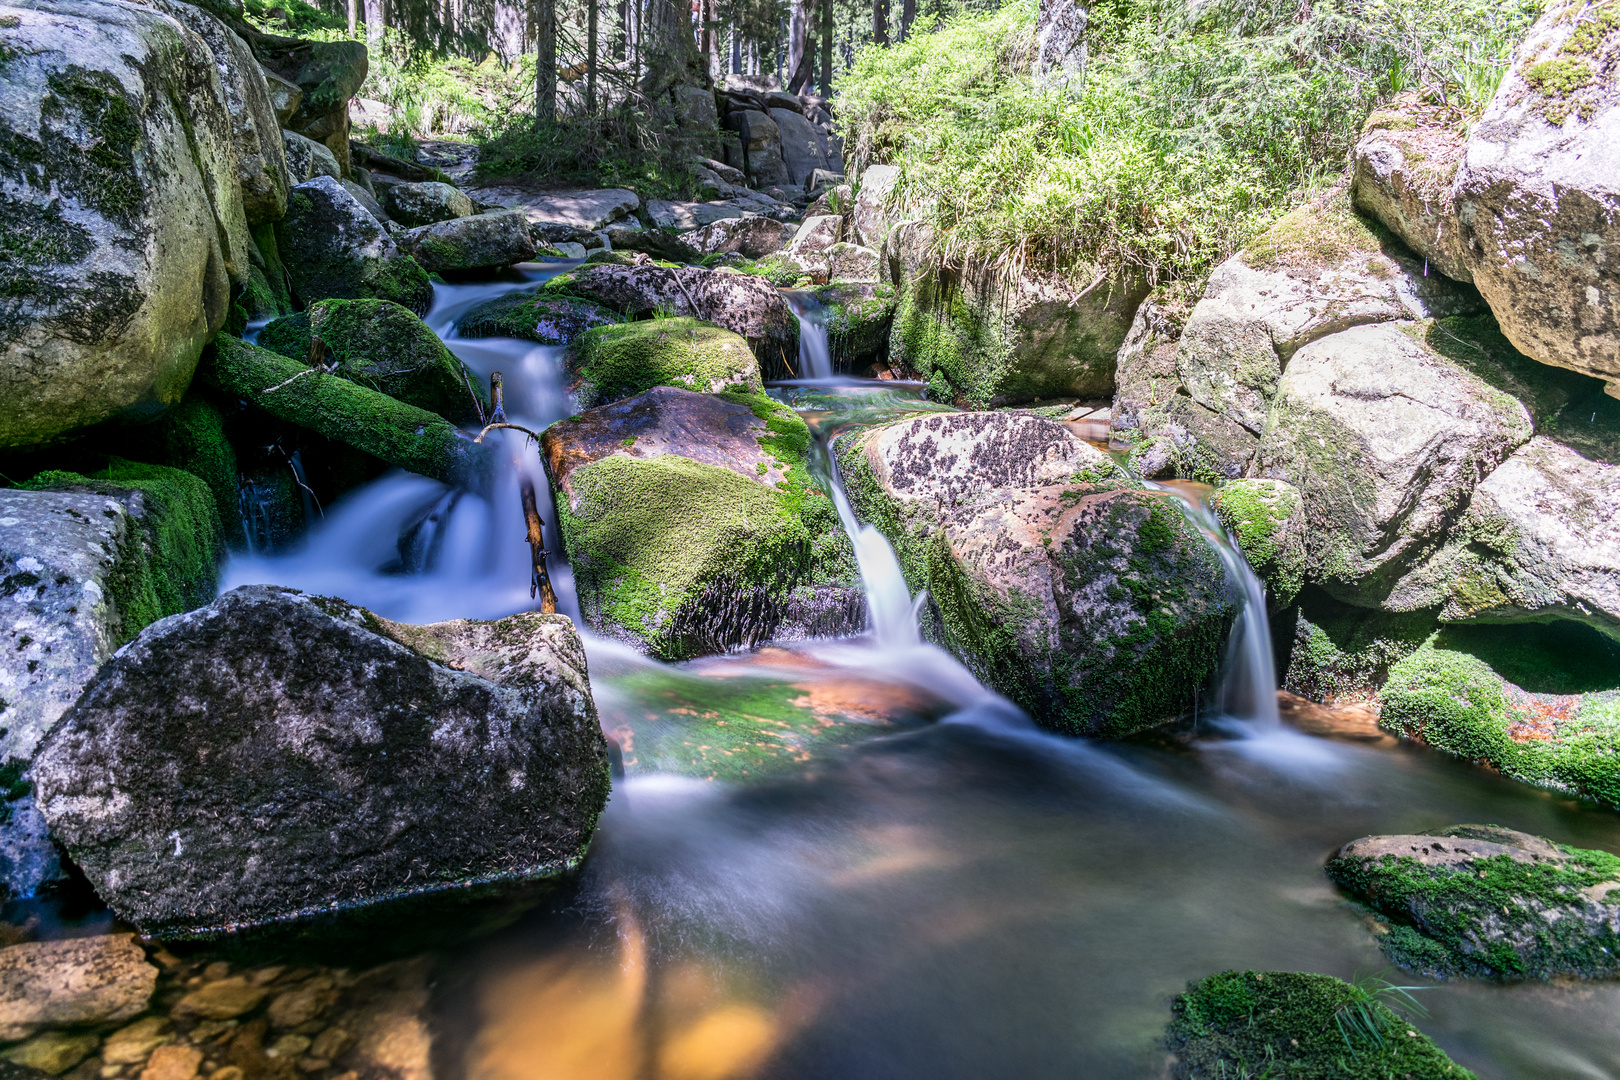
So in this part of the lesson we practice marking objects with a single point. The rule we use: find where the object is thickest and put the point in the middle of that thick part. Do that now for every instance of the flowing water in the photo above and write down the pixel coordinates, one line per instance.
(919, 882)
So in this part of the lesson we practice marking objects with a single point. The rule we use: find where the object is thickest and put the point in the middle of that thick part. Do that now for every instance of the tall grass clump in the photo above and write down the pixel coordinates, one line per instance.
(1195, 125)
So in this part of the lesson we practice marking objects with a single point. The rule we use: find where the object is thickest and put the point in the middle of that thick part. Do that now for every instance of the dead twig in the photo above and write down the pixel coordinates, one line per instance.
(515, 427)
(539, 579)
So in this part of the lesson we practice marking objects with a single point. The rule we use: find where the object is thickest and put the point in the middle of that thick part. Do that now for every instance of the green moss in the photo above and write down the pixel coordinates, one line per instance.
(1325, 232)
(321, 260)
(1238, 1024)
(858, 320)
(1488, 919)
(402, 435)
(779, 270)
(549, 320)
(382, 345)
(191, 436)
(1341, 652)
(1263, 516)
(1555, 726)
(621, 360)
(958, 350)
(267, 296)
(1559, 77)
(170, 556)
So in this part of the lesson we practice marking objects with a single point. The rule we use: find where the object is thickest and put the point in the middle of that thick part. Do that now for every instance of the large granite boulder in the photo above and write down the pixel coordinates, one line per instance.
(1405, 161)
(1087, 600)
(122, 205)
(424, 204)
(563, 211)
(868, 218)
(333, 247)
(478, 242)
(307, 159)
(694, 524)
(1538, 194)
(379, 344)
(676, 215)
(328, 74)
(1385, 439)
(752, 237)
(275, 757)
(1318, 270)
(610, 363)
(1487, 901)
(761, 147)
(805, 147)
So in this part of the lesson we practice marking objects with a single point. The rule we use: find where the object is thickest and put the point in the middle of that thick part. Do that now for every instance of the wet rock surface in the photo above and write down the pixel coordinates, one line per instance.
(327, 766)
(91, 980)
(1091, 603)
(1490, 902)
(548, 320)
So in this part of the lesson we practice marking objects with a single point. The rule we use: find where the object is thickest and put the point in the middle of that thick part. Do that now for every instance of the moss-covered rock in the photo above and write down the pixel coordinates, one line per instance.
(1300, 1026)
(333, 248)
(986, 341)
(266, 295)
(1341, 653)
(478, 242)
(614, 362)
(170, 562)
(378, 343)
(192, 437)
(694, 525)
(1090, 602)
(402, 435)
(1490, 902)
(1266, 519)
(1405, 160)
(548, 320)
(858, 318)
(1543, 708)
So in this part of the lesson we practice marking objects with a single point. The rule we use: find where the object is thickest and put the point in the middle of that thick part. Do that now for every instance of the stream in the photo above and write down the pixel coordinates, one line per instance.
(940, 889)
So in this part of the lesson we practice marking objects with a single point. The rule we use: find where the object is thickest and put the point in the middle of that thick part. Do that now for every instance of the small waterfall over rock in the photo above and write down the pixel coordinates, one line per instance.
(815, 352)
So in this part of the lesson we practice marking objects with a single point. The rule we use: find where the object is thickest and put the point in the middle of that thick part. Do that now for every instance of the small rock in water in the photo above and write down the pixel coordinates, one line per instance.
(54, 1052)
(222, 1000)
(172, 1063)
(132, 1045)
(79, 981)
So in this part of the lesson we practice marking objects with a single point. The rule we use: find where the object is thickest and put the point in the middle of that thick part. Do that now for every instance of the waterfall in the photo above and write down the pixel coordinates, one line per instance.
(815, 354)
(891, 611)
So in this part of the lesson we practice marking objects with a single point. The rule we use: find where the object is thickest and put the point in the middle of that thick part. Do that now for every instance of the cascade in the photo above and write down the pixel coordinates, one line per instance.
(815, 352)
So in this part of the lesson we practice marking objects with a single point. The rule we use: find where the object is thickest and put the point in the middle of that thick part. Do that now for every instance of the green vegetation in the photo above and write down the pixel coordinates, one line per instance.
(379, 344)
(191, 436)
(1499, 917)
(549, 320)
(1264, 516)
(1195, 127)
(621, 360)
(1294, 1025)
(170, 554)
(961, 354)
(1555, 724)
(1344, 653)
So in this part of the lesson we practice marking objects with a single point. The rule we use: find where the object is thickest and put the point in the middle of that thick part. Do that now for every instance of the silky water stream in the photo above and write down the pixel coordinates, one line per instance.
(935, 888)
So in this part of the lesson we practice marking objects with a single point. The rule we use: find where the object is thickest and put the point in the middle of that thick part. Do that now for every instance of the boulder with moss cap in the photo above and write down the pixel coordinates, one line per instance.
(1537, 191)
(378, 343)
(549, 320)
(1405, 161)
(1088, 601)
(478, 242)
(333, 762)
(333, 248)
(694, 525)
(122, 213)
(1267, 520)
(1490, 902)
(614, 362)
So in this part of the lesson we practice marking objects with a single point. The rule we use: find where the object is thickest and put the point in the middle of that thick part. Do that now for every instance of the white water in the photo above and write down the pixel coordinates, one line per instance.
(815, 353)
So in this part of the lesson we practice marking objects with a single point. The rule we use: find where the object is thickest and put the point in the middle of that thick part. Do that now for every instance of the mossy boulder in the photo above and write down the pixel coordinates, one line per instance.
(333, 248)
(548, 320)
(1385, 438)
(367, 767)
(693, 524)
(980, 340)
(423, 204)
(1489, 902)
(192, 437)
(403, 435)
(1057, 580)
(858, 318)
(122, 233)
(1297, 1025)
(378, 343)
(1542, 707)
(614, 362)
(1405, 161)
(1341, 653)
(1267, 520)
(1319, 270)
(477, 242)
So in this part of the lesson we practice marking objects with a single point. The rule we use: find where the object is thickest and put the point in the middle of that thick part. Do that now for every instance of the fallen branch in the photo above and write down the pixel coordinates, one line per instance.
(515, 427)
(539, 579)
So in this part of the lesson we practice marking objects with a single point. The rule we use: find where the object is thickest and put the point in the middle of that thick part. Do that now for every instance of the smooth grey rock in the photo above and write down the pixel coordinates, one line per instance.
(1538, 196)
(586, 210)
(1405, 162)
(814, 239)
(482, 241)
(123, 171)
(1385, 439)
(804, 147)
(367, 113)
(307, 159)
(285, 96)
(868, 217)
(413, 205)
(89, 980)
(365, 199)
(333, 247)
(751, 236)
(761, 146)
(1540, 541)
(1044, 563)
(744, 304)
(330, 759)
(1319, 270)
(781, 99)
(695, 108)
(667, 214)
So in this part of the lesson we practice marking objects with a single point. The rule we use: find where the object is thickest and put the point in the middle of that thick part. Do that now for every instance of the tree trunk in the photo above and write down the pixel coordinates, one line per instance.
(826, 47)
(590, 57)
(798, 35)
(880, 21)
(375, 22)
(545, 61)
(908, 12)
(354, 16)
